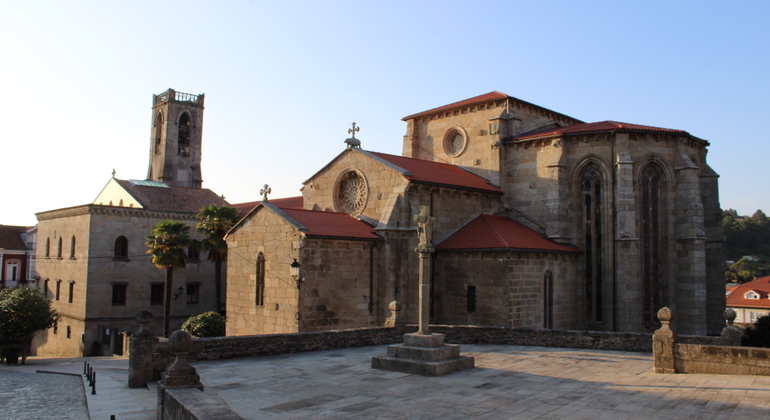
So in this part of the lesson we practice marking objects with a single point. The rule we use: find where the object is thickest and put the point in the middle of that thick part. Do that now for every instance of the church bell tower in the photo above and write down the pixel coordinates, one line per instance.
(175, 143)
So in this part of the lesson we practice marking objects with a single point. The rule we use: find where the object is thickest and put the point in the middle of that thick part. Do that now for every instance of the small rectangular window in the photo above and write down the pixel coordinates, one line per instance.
(471, 299)
(58, 289)
(119, 294)
(72, 291)
(192, 293)
(156, 294)
(69, 331)
(45, 288)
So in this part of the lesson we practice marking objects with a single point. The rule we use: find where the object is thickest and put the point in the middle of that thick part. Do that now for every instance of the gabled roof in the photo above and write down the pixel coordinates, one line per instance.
(171, 198)
(478, 100)
(327, 224)
(497, 233)
(10, 237)
(738, 297)
(436, 173)
(281, 203)
(599, 127)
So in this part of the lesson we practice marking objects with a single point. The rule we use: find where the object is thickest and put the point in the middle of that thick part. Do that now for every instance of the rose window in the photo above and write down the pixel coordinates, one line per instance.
(352, 193)
(455, 142)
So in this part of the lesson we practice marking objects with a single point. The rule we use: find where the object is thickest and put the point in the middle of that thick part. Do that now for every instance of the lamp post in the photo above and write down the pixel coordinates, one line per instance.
(178, 293)
(294, 270)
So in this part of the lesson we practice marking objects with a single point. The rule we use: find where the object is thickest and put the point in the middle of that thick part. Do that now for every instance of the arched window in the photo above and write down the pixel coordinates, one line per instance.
(72, 247)
(260, 284)
(121, 247)
(58, 252)
(183, 139)
(158, 131)
(654, 284)
(548, 299)
(591, 184)
(48, 247)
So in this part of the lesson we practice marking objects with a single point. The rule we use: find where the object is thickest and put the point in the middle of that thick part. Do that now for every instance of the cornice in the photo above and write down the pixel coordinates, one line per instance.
(97, 209)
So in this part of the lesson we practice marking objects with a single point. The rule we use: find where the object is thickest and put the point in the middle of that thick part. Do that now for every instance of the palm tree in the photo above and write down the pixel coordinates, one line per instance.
(214, 223)
(168, 246)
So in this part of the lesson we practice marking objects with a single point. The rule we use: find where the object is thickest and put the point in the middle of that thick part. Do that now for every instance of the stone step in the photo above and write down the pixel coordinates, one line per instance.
(420, 367)
(432, 354)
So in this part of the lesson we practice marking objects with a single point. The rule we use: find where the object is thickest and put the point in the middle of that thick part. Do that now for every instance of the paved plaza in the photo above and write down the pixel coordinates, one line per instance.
(509, 382)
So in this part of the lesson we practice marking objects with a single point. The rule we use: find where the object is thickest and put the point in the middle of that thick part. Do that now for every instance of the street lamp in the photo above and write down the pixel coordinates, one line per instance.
(294, 270)
(179, 292)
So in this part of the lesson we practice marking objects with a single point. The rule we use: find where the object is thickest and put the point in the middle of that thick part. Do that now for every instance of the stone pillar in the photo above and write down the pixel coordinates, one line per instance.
(626, 307)
(425, 267)
(395, 320)
(179, 374)
(141, 348)
(731, 335)
(664, 344)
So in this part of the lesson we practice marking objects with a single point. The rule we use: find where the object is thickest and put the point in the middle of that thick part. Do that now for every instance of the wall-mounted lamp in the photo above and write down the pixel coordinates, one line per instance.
(294, 270)
(179, 292)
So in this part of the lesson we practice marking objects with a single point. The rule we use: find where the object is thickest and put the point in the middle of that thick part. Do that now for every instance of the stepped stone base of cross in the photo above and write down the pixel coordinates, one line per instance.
(423, 354)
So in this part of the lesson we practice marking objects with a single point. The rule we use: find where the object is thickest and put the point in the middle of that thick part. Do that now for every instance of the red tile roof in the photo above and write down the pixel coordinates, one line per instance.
(487, 97)
(327, 224)
(761, 286)
(597, 127)
(488, 232)
(10, 237)
(282, 203)
(437, 173)
(173, 199)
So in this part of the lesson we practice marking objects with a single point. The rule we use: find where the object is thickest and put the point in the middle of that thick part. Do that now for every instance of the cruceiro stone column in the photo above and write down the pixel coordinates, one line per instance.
(731, 335)
(141, 348)
(664, 344)
(423, 353)
(179, 374)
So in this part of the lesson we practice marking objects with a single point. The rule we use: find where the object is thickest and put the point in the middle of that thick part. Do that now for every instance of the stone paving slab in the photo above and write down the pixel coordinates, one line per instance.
(509, 382)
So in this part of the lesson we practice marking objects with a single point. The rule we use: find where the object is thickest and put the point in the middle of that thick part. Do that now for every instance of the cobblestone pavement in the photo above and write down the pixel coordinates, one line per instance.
(39, 396)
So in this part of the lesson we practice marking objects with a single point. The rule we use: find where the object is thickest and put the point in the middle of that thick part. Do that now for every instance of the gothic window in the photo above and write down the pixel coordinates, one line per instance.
(158, 132)
(351, 193)
(121, 247)
(591, 183)
(72, 247)
(58, 252)
(548, 299)
(260, 300)
(654, 284)
(47, 247)
(183, 140)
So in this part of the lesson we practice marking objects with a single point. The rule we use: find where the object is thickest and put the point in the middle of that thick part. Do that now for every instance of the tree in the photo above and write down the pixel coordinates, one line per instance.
(23, 313)
(214, 223)
(168, 246)
(207, 324)
(758, 333)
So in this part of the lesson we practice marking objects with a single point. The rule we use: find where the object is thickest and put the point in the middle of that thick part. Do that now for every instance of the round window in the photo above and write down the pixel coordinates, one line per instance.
(455, 141)
(351, 193)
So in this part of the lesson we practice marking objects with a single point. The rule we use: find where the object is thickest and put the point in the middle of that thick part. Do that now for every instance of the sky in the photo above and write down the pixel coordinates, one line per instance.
(284, 81)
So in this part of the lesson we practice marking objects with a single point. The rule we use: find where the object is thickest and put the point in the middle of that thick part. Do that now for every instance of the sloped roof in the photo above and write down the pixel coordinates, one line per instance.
(327, 224)
(437, 173)
(174, 199)
(10, 237)
(489, 232)
(761, 286)
(598, 127)
(282, 203)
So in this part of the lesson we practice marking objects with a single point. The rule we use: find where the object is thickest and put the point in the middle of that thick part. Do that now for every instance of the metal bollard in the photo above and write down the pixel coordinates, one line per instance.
(90, 373)
(85, 368)
(93, 385)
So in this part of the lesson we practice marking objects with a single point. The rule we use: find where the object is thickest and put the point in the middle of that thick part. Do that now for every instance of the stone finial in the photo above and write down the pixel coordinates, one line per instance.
(731, 335)
(395, 320)
(665, 315)
(181, 343)
(664, 344)
(144, 318)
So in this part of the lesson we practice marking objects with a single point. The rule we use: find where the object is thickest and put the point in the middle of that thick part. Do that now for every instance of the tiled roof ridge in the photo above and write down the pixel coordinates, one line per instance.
(599, 126)
(486, 219)
(479, 99)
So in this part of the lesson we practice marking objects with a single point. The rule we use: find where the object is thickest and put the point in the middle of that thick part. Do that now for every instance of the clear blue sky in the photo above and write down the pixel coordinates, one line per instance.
(285, 79)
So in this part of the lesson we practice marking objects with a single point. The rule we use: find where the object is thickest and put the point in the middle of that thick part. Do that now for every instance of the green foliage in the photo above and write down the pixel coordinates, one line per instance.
(168, 244)
(758, 333)
(747, 235)
(214, 223)
(207, 324)
(24, 312)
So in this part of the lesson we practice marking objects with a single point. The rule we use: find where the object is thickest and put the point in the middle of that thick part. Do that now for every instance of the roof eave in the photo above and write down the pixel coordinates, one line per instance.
(527, 250)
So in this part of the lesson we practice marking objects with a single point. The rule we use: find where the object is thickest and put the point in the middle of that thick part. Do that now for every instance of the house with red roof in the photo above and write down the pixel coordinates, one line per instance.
(92, 259)
(539, 220)
(17, 255)
(750, 300)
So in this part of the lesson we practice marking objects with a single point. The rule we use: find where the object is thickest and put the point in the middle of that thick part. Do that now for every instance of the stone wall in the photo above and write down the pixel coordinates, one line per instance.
(194, 404)
(722, 360)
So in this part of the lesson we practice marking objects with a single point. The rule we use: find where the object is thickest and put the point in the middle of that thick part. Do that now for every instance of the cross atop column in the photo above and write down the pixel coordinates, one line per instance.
(264, 192)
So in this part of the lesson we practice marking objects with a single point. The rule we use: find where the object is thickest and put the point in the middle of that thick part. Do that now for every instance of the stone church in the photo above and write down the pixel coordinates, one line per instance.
(92, 258)
(541, 220)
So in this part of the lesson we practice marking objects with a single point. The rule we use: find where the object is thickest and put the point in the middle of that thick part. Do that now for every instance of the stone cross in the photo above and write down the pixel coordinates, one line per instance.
(113, 172)
(425, 248)
(265, 191)
(354, 130)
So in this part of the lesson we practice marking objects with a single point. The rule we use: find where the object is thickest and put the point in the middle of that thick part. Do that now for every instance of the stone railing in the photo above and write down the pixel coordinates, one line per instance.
(670, 355)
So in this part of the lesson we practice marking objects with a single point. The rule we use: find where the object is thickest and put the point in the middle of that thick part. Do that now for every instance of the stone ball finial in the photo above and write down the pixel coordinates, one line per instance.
(665, 314)
(144, 317)
(395, 306)
(730, 316)
(180, 341)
